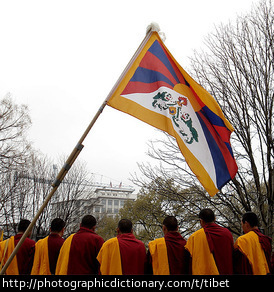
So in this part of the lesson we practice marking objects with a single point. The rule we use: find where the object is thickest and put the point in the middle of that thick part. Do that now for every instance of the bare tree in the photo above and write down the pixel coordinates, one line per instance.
(39, 176)
(26, 177)
(237, 69)
(74, 197)
(14, 123)
(23, 191)
(14, 153)
(8, 188)
(181, 193)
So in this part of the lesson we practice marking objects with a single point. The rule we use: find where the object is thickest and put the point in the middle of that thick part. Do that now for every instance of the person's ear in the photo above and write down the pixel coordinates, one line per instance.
(202, 222)
(164, 229)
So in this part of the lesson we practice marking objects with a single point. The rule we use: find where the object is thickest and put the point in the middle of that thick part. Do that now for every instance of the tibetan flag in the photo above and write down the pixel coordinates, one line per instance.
(157, 90)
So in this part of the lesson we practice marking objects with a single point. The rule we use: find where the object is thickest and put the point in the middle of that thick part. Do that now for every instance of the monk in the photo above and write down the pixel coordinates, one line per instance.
(253, 249)
(211, 247)
(22, 262)
(124, 254)
(79, 251)
(47, 249)
(167, 255)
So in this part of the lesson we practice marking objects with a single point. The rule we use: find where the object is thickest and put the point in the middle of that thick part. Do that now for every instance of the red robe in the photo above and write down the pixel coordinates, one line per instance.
(177, 256)
(133, 254)
(242, 264)
(220, 243)
(55, 243)
(265, 242)
(176, 253)
(25, 254)
(84, 248)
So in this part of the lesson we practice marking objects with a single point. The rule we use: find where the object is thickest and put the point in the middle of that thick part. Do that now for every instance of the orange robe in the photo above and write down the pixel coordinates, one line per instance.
(78, 253)
(6, 248)
(203, 262)
(46, 255)
(250, 246)
(211, 249)
(41, 258)
(22, 262)
(158, 251)
(122, 255)
(167, 255)
(109, 258)
(63, 259)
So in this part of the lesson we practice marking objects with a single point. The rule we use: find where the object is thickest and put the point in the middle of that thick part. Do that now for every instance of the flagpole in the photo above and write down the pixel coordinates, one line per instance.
(79, 146)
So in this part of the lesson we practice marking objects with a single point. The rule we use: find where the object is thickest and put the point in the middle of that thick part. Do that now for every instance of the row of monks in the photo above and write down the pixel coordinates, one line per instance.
(208, 251)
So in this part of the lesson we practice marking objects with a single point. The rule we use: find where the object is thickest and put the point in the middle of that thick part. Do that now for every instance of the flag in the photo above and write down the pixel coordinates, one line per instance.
(157, 90)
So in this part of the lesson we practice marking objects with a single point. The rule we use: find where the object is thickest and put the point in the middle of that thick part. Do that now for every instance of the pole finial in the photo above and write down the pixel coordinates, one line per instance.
(154, 26)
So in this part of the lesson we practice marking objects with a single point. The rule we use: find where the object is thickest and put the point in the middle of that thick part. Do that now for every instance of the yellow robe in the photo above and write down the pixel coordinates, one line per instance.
(203, 262)
(63, 258)
(9, 246)
(41, 258)
(109, 258)
(250, 246)
(158, 252)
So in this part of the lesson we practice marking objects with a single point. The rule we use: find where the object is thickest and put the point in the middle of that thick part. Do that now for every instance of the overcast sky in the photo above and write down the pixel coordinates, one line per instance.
(62, 58)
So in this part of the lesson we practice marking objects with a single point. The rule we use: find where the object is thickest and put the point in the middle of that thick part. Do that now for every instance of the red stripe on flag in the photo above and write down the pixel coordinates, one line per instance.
(151, 62)
(141, 87)
(223, 132)
(229, 160)
(176, 69)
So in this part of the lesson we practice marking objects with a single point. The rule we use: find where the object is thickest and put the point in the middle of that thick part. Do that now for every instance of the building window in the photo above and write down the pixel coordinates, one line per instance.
(116, 206)
(109, 206)
(103, 202)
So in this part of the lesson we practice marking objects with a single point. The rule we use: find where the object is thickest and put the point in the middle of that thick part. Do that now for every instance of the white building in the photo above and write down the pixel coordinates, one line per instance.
(98, 200)
(108, 200)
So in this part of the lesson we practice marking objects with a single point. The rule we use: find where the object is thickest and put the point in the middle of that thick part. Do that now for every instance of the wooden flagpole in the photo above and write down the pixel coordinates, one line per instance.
(76, 151)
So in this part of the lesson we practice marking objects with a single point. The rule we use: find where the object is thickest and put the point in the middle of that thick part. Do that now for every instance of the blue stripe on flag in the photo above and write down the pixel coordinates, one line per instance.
(222, 174)
(229, 148)
(157, 51)
(149, 76)
(212, 117)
